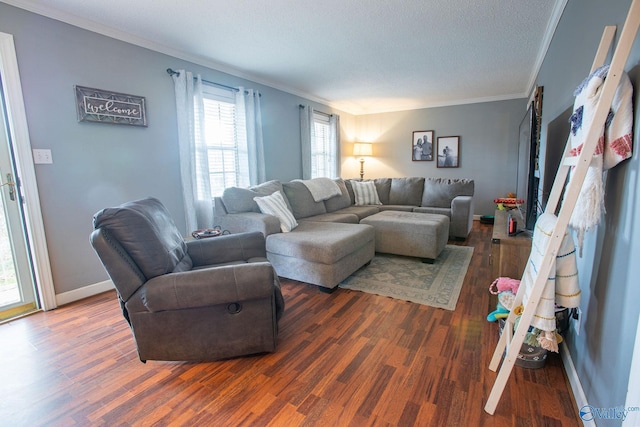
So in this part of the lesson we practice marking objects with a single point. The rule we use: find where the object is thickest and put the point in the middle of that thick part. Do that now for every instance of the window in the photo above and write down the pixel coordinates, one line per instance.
(323, 147)
(225, 158)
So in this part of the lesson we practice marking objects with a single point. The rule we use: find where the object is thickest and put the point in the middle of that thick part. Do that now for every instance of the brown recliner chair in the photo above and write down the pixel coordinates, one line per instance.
(199, 300)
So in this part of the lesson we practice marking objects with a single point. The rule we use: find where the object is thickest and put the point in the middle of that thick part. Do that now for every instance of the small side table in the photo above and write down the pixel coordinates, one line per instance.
(509, 254)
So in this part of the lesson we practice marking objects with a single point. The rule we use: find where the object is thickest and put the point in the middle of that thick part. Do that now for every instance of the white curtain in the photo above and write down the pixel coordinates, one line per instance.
(307, 134)
(249, 135)
(194, 165)
(334, 124)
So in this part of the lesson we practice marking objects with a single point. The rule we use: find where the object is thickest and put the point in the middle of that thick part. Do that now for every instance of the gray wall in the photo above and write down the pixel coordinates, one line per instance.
(98, 165)
(609, 267)
(488, 146)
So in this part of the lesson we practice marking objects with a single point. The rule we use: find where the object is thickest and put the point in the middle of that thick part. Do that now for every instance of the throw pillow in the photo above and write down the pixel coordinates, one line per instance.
(365, 193)
(276, 206)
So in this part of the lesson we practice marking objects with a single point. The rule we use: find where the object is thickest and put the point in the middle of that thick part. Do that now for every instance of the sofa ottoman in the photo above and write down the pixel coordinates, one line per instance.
(321, 253)
(411, 234)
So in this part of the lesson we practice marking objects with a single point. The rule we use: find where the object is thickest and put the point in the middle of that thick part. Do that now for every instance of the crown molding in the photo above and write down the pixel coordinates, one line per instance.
(124, 36)
(506, 97)
(556, 14)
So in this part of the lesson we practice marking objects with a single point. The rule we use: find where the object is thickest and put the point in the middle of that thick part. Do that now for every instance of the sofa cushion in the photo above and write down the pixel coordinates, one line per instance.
(383, 187)
(406, 191)
(439, 192)
(341, 201)
(343, 217)
(321, 242)
(238, 200)
(352, 197)
(402, 208)
(301, 200)
(321, 188)
(361, 211)
(433, 210)
(274, 205)
(365, 193)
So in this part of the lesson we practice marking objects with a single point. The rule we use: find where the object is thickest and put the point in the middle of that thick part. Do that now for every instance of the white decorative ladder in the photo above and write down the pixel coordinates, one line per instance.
(512, 341)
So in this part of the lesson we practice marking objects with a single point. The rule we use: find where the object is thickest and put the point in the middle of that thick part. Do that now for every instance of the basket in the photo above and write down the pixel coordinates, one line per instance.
(530, 357)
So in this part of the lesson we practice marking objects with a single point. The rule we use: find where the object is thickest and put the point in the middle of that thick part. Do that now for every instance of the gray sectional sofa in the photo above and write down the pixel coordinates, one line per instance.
(329, 243)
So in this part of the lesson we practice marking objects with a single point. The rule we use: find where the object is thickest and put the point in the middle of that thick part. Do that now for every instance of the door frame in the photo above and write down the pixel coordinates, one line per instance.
(28, 189)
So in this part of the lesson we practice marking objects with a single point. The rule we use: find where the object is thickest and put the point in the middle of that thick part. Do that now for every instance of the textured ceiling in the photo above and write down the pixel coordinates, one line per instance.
(360, 56)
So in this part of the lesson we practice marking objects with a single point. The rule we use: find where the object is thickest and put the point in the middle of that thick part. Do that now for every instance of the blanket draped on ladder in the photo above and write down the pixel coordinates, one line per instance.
(614, 145)
(562, 288)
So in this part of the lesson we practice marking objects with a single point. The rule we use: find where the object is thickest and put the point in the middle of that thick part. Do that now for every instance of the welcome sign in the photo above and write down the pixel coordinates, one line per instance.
(97, 105)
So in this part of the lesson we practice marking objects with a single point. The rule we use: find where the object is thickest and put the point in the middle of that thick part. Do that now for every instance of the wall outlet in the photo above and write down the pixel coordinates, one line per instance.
(42, 156)
(577, 320)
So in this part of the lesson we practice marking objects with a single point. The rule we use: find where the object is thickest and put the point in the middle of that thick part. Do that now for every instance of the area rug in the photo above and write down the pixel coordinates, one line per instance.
(410, 279)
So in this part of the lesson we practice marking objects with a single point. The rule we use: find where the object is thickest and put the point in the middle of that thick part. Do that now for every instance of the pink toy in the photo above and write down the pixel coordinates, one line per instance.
(502, 284)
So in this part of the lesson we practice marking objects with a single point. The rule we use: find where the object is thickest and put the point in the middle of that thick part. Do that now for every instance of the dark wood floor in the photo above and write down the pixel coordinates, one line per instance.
(343, 359)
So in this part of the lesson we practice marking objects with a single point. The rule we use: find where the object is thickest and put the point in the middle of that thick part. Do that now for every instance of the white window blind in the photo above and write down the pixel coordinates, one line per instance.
(323, 148)
(223, 154)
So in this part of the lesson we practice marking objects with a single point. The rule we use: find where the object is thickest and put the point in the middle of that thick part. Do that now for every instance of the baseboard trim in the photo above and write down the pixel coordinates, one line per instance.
(574, 381)
(84, 292)
(476, 217)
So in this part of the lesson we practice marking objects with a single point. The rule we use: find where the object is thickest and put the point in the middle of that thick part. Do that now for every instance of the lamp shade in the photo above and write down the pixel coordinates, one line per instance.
(362, 149)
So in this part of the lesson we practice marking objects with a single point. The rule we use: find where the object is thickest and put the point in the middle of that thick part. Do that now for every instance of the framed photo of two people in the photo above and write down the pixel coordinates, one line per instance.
(448, 151)
(422, 146)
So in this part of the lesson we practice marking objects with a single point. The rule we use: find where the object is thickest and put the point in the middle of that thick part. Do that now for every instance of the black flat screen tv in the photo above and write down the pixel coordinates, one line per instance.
(527, 180)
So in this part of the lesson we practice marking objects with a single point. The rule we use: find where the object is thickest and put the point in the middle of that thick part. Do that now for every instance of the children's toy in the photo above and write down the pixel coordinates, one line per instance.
(499, 313)
(502, 284)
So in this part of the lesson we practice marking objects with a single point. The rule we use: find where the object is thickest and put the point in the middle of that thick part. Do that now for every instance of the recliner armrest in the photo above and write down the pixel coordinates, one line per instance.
(226, 248)
(209, 286)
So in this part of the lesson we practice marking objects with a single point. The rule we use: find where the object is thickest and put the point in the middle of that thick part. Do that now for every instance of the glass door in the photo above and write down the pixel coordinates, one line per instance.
(17, 290)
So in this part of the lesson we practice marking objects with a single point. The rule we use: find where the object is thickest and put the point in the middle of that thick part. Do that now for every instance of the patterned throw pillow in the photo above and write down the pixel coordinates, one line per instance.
(276, 206)
(365, 193)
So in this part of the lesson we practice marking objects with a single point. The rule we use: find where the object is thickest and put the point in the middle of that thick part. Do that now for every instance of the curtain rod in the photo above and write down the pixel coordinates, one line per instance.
(171, 72)
(316, 111)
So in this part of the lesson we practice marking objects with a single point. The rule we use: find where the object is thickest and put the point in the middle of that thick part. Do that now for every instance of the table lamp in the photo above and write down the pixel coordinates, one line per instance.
(362, 149)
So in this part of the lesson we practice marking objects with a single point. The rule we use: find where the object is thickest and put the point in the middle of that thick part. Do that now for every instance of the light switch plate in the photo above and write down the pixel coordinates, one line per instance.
(42, 156)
